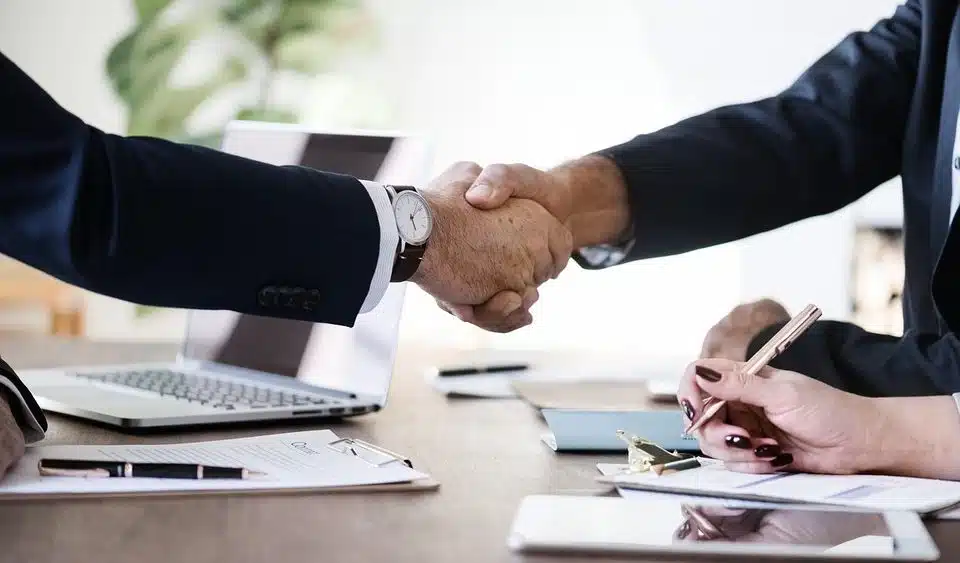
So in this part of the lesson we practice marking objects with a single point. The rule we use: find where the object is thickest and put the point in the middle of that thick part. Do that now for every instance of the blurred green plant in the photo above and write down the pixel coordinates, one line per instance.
(258, 43)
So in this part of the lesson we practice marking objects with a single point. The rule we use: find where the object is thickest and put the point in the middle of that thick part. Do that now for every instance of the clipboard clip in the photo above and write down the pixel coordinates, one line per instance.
(371, 454)
(644, 455)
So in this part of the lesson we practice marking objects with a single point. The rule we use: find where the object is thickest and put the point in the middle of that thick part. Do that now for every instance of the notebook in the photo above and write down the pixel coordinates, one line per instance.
(876, 492)
(314, 460)
(575, 430)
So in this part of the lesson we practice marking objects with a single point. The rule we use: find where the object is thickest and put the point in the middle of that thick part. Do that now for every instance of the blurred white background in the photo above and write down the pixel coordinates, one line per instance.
(534, 81)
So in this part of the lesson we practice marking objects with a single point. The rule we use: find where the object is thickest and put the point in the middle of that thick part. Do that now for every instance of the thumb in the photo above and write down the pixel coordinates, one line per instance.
(727, 380)
(499, 182)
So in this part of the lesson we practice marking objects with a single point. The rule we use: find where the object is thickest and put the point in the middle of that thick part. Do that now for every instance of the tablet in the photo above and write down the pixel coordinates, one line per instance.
(664, 525)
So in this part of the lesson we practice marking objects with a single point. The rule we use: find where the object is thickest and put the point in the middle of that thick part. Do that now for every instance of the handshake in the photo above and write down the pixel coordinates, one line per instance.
(499, 233)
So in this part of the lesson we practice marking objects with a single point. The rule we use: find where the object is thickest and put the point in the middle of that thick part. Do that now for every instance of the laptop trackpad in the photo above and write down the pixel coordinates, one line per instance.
(118, 403)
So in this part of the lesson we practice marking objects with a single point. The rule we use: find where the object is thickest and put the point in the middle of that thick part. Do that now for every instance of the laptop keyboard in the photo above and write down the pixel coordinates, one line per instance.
(217, 393)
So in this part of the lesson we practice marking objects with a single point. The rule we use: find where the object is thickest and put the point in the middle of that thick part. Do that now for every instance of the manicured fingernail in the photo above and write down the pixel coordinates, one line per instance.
(480, 190)
(687, 409)
(684, 530)
(710, 375)
(781, 460)
(767, 450)
(739, 442)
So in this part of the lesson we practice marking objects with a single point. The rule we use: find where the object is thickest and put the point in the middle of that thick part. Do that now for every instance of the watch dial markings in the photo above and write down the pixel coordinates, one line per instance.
(412, 218)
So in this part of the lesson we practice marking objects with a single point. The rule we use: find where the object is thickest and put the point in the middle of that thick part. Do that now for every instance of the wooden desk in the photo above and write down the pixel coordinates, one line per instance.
(485, 453)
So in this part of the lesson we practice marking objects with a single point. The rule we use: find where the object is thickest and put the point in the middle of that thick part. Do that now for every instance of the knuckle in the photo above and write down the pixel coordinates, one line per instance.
(497, 171)
(524, 170)
(742, 309)
(465, 167)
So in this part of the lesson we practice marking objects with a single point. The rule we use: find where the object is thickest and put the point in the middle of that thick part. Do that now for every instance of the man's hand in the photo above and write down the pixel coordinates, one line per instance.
(474, 255)
(11, 437)
(730, 338)
(497, 183)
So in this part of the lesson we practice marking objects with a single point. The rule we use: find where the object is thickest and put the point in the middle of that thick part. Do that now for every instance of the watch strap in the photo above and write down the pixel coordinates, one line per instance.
(407, 262)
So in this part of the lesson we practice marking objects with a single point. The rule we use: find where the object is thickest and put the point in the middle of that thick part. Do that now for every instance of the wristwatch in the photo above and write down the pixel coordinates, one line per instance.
(414, 225)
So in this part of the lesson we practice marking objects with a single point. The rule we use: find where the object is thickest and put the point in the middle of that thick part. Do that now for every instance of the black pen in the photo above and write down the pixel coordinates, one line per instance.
(450, 372)
(106, 468)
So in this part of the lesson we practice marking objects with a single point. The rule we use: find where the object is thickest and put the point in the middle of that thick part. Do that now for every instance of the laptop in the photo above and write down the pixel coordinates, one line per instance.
(236, 367)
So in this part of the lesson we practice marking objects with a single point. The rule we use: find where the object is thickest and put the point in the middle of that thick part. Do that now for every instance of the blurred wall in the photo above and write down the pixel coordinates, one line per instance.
(539, 81)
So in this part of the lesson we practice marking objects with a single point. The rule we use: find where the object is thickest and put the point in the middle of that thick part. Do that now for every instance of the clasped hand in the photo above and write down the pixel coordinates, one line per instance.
(499, 234)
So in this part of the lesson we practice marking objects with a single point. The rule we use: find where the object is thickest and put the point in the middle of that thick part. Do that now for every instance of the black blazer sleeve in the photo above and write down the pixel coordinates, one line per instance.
(827, 140)
(167, 224)
(875, 365)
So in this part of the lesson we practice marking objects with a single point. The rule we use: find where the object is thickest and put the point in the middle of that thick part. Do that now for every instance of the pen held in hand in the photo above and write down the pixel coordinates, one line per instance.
(774, 347)
(107, 468)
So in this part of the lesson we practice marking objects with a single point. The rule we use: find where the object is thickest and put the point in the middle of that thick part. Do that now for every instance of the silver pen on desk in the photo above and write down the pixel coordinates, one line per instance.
(773, 348)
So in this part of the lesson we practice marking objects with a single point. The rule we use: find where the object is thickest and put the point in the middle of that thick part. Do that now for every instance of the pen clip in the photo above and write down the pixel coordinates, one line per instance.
(782, 340)
(350, 446)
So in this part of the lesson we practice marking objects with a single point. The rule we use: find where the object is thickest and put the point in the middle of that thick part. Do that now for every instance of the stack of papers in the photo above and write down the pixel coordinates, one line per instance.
(876, 492)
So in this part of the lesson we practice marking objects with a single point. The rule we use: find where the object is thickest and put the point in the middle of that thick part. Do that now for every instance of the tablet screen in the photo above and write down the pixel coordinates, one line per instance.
(660, 524)
(827, 530)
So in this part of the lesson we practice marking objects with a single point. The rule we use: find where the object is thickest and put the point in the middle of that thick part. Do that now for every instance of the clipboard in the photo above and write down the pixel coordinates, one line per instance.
(315, 461)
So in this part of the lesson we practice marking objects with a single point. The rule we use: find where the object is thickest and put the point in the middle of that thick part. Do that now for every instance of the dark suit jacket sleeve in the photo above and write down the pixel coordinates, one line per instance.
(876, 365)
(167, 224)
(827, 140)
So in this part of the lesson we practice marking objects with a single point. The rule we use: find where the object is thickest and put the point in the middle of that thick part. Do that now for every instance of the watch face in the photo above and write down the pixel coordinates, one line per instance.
(414, 221)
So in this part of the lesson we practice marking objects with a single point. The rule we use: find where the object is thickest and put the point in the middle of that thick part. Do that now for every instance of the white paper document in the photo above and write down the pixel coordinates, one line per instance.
(862, 491)
(613, 469)
(299, 460)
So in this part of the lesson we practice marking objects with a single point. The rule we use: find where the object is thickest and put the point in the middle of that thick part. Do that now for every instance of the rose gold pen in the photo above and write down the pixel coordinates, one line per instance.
(774, 347)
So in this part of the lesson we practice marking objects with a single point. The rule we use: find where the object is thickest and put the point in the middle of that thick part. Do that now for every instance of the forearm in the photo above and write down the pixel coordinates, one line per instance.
(600, 207)
(920, 437)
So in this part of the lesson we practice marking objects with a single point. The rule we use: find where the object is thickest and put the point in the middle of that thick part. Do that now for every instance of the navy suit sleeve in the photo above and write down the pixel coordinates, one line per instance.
(827, 140)
(167, 224)
(875, 365)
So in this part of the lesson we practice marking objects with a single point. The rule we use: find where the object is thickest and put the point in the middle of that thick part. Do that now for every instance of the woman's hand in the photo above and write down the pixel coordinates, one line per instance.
(780, 420)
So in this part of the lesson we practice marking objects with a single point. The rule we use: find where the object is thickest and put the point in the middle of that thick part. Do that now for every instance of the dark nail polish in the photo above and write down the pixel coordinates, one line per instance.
(781, 460)
(738, 442)
(710, 375)
(767, 450)
(688, 410)
(684, 530)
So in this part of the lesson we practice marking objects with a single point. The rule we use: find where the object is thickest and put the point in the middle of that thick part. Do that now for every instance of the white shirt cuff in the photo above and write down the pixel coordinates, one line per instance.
(389, 239)
(33, 432)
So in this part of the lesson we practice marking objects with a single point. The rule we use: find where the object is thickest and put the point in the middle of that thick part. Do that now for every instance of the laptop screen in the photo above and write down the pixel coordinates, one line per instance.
(358, 359)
